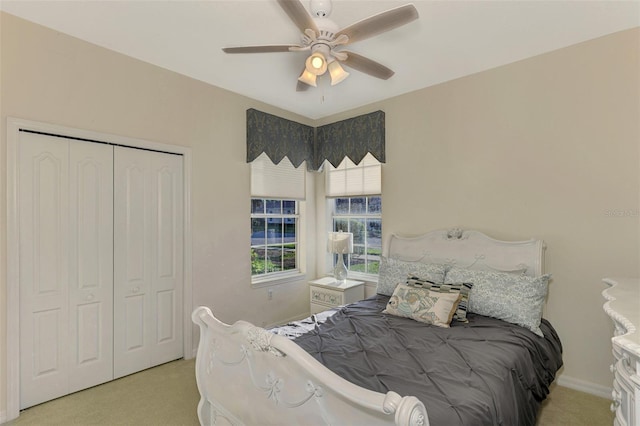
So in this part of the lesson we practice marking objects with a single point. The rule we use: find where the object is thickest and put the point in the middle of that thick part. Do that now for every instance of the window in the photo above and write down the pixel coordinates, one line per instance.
(277, 197)
(355, 205)
(361, 216)
(274, 236)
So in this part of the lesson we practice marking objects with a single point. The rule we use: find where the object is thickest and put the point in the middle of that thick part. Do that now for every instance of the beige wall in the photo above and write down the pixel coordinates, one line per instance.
(50, 77)
(543, 147)
(546, 147)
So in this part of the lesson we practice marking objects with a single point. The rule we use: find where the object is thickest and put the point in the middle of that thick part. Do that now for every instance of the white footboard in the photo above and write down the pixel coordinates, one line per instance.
(249, 376)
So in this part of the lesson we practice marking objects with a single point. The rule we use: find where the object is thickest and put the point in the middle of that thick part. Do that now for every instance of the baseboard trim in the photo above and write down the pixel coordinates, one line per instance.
(584, 386)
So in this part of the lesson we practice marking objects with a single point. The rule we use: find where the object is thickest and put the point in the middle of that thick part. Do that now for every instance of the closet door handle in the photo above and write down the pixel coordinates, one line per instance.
(135, 290)
(89, 297)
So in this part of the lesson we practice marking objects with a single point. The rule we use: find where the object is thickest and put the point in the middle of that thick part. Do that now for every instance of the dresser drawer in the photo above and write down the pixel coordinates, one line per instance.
(623, 307)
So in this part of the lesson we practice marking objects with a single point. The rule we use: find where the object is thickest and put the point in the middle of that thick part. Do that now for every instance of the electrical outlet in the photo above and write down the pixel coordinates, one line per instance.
(269, 294)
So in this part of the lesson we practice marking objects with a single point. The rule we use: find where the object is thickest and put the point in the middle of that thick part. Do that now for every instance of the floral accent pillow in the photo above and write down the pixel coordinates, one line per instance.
(394, 271)
(464, 289)
(423, 305)
(513, 298)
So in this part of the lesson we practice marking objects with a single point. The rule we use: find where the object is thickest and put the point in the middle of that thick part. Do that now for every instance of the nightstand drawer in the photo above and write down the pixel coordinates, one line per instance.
(326, 293)
(327, 297)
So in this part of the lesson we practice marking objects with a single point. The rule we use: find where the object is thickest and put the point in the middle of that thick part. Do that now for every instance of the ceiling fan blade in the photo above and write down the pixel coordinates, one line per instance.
(367, 66)
(259, 49)
(298, 15)
(380, 23)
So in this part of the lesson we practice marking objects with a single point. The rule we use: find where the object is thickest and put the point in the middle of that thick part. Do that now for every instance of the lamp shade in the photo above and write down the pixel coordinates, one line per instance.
(340, 242)
(308, 78)
(337, 73)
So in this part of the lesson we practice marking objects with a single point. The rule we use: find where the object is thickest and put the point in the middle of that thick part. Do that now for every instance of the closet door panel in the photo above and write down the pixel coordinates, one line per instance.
(43, 269)
(91, 264)
(167, 261)
(148, 260)
(132, 260)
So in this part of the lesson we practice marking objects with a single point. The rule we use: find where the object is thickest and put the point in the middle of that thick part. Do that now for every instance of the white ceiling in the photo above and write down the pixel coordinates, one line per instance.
(451, 39)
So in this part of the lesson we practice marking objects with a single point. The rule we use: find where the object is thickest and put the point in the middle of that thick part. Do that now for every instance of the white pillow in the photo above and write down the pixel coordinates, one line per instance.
(513, 298)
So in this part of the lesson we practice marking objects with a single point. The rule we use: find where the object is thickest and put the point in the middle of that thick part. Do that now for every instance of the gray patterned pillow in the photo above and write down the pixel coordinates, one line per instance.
(393, 271)
(513, 298)
(464, 289)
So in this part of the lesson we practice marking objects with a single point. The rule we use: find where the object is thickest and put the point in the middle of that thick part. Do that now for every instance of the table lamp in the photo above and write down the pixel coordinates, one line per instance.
(340, 243)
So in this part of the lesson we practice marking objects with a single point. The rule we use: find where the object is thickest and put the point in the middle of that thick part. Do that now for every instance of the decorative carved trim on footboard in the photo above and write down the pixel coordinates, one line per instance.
(247, 375)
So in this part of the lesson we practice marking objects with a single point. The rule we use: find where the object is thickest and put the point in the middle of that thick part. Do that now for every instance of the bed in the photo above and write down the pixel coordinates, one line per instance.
(371, 362)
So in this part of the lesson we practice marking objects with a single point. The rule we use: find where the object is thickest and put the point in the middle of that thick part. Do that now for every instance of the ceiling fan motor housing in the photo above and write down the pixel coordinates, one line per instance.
(326, 28)
(321, 8)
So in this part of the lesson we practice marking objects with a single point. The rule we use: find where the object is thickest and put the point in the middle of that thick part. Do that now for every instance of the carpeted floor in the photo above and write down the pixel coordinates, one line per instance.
(167, 395)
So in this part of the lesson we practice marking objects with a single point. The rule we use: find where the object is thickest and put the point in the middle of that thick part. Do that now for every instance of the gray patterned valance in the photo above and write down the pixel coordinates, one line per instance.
(279, 138)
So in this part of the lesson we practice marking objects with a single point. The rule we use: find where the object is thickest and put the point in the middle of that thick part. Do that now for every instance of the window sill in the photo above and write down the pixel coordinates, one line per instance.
(285, 278)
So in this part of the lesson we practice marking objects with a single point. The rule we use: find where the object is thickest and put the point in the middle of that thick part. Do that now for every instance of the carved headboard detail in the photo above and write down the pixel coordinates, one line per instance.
(469, 249)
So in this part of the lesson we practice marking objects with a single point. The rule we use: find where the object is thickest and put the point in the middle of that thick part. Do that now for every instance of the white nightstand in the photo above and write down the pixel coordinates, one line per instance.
(325, 293)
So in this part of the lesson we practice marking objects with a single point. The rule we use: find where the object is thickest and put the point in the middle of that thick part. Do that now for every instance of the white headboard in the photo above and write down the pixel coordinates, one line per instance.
(470, 249)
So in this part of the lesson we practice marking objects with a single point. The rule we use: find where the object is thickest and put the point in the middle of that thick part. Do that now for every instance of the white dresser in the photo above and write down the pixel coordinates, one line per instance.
(623, 306)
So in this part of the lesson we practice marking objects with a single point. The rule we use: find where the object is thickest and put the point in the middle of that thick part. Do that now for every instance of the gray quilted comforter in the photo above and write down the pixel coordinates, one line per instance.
(485, 372)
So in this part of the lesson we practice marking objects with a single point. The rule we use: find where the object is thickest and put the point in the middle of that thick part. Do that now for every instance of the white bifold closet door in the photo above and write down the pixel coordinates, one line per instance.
(100, 263)
(148, 259)
(65, 206)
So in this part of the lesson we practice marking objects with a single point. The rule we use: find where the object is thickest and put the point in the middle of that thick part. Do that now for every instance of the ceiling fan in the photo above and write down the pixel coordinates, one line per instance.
(324, 40)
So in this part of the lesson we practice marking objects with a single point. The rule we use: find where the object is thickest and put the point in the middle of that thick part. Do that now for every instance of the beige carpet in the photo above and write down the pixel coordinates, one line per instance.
(167, 395)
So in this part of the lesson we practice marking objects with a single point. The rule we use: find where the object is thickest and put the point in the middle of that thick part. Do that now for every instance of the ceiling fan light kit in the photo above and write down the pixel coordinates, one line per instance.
(307, 78)
(337, 73)
(323, 38)
(316, 64)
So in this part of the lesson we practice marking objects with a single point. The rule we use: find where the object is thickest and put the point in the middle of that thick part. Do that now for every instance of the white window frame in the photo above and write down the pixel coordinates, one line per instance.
(281, 181)
(352, 181)
(281, 277)
(331, 215)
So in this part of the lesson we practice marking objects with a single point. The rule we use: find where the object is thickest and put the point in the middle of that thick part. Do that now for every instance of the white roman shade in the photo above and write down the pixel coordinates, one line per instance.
(280, 181)
(349, 179)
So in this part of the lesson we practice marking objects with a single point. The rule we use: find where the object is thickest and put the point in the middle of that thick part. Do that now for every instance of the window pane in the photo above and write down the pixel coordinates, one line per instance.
(257, 261)
(357, 229)
(257, 206)
(274, 230)
(289, 207)
(274, 225)
(374, 232)
(342, 205)
(289, 230)
(274, 207)
(274, 259)
(375, 205)
(363, 220)
(357, 260)
(373, 266)
(340, 225)
(289, 257)
(358, 205)
(257, 231)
